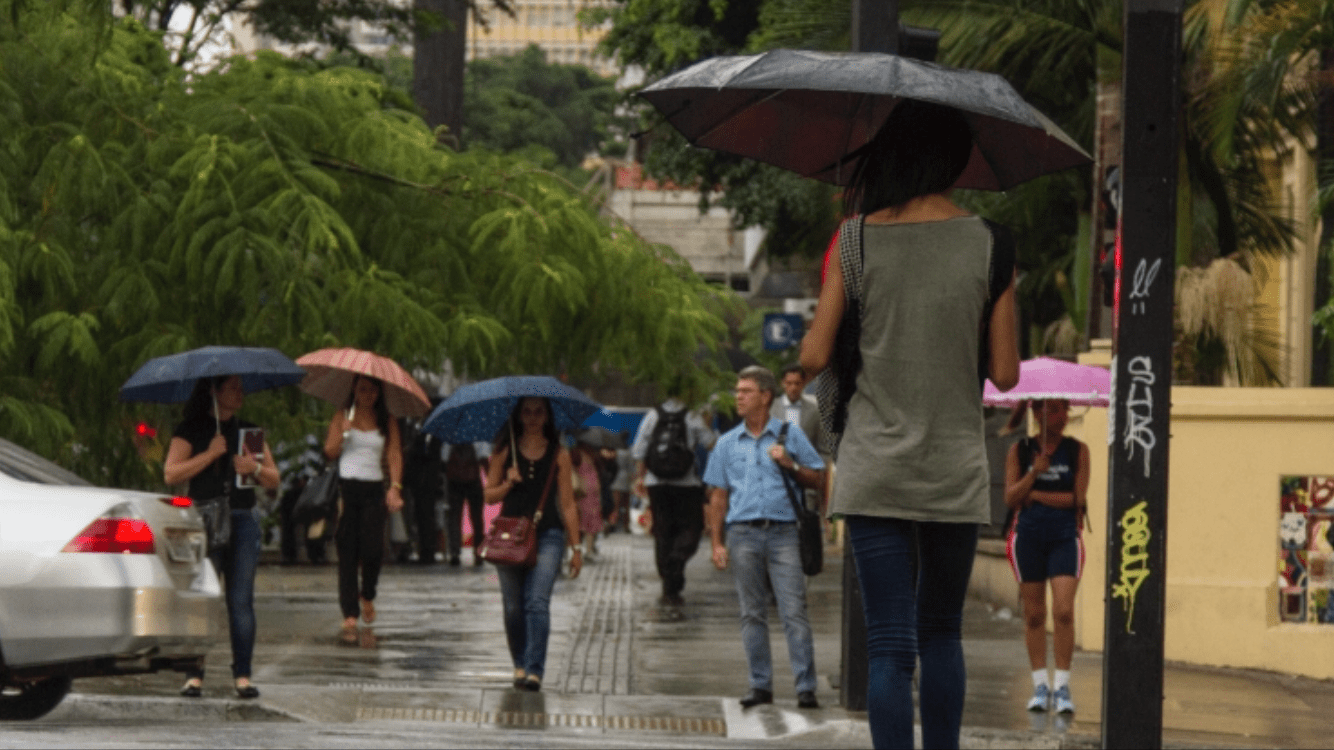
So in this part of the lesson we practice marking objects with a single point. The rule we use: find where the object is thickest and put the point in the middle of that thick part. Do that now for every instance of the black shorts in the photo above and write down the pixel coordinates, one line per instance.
(1045, 543)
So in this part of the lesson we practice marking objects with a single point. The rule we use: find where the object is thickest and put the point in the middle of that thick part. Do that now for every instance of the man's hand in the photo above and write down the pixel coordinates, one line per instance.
(720, 557)
(780, 455)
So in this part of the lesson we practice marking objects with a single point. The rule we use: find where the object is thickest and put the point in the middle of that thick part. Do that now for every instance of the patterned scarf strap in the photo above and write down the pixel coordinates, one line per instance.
(851, 257)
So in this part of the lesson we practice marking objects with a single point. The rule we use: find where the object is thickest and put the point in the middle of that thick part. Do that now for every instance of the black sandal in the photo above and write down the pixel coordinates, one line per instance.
(192, 691)
(247, 692)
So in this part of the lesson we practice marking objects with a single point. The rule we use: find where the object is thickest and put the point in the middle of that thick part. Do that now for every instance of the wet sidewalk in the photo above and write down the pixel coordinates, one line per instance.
(621, 665)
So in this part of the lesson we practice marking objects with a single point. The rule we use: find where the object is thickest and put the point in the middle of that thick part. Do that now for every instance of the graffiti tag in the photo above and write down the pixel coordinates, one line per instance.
(1139, 290)
(1134, 558)
(1139, 411)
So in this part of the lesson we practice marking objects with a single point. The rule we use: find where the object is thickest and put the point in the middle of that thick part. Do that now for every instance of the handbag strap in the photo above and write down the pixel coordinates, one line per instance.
(852, 259)
(791, 494)
(546, 489)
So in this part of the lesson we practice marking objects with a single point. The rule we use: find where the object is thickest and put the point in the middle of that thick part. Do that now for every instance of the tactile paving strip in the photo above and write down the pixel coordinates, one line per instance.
(535, 720)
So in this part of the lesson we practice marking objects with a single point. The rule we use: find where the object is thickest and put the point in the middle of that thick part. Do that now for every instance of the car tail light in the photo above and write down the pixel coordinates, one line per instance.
(114, 533)
(178, 501)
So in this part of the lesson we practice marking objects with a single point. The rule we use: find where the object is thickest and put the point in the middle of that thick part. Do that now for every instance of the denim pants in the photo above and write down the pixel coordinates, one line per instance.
(236, 564)
(763, 559)
(911, 616)
(526, 595)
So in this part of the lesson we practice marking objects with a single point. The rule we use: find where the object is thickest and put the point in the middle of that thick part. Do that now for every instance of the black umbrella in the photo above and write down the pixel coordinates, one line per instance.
(812, 112)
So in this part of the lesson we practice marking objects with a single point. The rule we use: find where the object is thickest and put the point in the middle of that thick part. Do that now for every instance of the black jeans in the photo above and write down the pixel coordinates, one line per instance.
(360, 542)
(678, 523)
(461, 494)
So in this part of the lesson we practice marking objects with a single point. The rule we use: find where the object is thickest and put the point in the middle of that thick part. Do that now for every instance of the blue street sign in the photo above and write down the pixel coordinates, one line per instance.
(782, 330)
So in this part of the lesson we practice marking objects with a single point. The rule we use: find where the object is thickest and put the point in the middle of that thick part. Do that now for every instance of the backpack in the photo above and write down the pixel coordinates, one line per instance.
(669, 455)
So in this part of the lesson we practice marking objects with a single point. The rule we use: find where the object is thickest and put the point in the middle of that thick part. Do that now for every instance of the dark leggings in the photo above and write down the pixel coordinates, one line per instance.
(907, 619)
(360, 542)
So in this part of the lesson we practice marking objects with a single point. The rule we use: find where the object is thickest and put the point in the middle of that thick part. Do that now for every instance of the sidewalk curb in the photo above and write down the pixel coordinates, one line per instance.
(84, 707)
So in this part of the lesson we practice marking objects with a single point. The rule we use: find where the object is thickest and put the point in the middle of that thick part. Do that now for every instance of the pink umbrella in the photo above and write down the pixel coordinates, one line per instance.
(330, 373)
(1044, 378)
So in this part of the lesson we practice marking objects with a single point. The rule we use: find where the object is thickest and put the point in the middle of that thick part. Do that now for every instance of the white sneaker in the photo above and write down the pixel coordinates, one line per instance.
(1065, 704)
(1041, 699)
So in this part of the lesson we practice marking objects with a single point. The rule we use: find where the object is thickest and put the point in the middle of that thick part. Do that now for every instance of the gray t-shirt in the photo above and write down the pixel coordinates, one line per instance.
(914, 447)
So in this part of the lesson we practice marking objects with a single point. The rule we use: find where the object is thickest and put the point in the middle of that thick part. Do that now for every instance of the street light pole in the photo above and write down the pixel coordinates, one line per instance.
(1132, 707)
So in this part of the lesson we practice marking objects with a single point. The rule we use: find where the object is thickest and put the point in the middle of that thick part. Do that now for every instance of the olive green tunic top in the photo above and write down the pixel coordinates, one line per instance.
(914, 446)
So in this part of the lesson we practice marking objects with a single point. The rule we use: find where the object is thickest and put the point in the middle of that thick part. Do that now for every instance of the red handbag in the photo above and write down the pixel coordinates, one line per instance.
(512, 540)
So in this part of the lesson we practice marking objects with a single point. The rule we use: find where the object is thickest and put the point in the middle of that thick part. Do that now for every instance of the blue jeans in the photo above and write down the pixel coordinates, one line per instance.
(907, 619)
(526, 594)
(236, 564)
(761, 558)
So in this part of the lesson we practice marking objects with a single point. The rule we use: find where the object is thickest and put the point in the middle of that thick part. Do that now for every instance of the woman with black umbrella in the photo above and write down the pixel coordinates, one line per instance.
(937, 310)
(198, 453)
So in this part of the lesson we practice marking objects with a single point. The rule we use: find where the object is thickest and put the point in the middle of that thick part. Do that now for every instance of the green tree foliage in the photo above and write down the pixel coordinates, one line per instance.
(271, 202)
(662, 36)
(521, 101)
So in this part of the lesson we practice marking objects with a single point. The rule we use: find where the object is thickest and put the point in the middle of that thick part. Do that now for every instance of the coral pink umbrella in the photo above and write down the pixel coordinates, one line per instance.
(1044, 378)
(330, 373)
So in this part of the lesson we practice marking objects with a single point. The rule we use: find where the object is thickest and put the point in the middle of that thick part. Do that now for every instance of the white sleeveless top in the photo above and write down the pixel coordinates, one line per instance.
(361, 456)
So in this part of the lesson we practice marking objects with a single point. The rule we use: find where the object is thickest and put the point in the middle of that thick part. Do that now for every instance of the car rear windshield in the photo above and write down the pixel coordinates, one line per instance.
(26, 466)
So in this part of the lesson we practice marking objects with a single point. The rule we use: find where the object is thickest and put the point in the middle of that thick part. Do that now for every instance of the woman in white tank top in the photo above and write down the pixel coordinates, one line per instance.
(366, 442)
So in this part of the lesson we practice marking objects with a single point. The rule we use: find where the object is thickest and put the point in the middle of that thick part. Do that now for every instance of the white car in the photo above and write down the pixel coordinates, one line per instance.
(94, 582)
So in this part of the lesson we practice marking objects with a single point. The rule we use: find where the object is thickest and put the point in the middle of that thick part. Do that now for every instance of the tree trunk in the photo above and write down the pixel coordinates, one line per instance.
(437, 68)
(1320, 349)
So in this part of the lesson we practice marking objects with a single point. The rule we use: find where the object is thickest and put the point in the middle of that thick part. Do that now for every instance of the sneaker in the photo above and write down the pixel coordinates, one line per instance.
(1041, 699)
(1065, 704)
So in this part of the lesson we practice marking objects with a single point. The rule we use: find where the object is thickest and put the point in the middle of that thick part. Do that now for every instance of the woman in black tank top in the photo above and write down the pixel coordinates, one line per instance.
(1046, 484)
(527, 451)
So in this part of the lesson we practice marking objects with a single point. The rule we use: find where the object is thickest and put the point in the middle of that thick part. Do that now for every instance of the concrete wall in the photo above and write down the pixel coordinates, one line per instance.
(1229, 448)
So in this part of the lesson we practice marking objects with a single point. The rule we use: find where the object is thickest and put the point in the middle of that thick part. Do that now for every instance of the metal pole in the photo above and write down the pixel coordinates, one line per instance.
(874, 29)
(1132, 709)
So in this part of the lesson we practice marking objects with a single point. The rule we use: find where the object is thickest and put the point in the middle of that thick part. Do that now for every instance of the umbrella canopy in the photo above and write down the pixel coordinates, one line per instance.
(478, 411)
(1044, 378)
(812, 112)
(331, 372)
(170, 379)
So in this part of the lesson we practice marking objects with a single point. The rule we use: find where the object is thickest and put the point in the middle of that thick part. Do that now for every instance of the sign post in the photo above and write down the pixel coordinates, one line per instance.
(1132, 707)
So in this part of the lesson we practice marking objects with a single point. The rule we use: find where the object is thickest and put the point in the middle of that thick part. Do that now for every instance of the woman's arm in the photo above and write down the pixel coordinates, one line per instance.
(333, 442)
(268, 477)
(817, 346)
(496, 488)
(1004, 365)
(180, 466)
(393, 458)
(1082, 483)
(569, 509)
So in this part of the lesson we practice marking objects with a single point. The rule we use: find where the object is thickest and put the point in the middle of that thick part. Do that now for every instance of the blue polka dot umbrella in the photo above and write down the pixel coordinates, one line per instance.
(476, 412)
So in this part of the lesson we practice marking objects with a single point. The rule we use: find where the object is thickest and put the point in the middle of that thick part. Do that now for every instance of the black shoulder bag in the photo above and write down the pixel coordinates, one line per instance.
(810, 531)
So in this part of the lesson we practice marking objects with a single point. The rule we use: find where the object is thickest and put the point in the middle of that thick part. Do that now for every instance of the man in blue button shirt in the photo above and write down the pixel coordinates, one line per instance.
(748, 494)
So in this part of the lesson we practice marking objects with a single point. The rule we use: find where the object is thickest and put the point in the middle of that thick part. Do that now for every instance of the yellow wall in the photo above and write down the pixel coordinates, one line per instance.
(1229, 447)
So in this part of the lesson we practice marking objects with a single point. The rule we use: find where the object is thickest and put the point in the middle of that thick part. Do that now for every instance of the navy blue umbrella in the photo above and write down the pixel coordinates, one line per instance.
(170, 379)
(476, 412)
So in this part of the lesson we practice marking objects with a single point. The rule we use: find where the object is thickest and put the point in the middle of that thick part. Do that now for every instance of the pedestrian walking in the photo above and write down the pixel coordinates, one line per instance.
(463, 473)
(800, 409)
(297, 472)
(424, 480)
(666, 470)
(621, 485)
(367, 443)
(587, 495)
(754, 529)
(526, 452)
(937, 312)
(206, 450)
(1046, 484)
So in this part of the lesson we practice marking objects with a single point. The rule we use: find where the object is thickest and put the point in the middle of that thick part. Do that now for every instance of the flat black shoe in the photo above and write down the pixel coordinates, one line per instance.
(532, 683)
(756, 697)
(806, 699)
(247, 692)
(192, 691)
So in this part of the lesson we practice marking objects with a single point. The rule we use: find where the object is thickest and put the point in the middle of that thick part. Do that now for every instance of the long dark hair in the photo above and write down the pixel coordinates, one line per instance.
(921, 149)
(199, 407)
(381, 411)
(513, 428)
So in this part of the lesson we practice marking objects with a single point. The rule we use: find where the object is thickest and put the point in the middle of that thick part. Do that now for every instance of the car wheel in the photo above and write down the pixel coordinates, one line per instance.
(24, 701)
